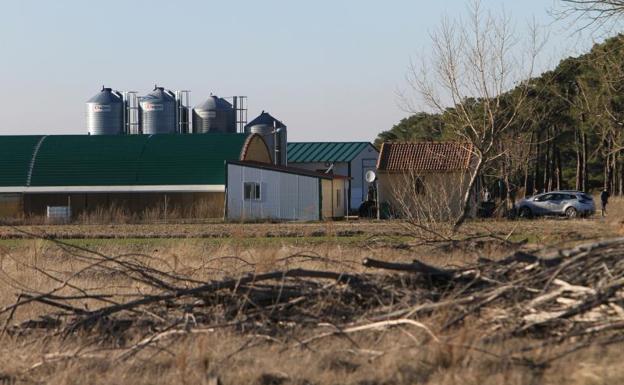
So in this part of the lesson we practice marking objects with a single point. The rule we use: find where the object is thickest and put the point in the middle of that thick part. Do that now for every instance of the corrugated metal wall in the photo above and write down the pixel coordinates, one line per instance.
(182, 205)
(284, 196)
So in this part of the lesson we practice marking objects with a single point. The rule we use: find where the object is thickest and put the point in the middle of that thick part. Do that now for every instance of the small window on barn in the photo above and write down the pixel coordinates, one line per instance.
(419, 186)
(338, 196)
(251, 191)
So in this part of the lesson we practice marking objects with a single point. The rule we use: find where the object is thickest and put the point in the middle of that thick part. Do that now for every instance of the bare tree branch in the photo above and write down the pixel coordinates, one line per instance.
(592, 14)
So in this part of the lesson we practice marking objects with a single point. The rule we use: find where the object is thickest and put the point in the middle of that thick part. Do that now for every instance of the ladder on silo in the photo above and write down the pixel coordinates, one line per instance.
(183, 103)
(240, 112)
(132, 112)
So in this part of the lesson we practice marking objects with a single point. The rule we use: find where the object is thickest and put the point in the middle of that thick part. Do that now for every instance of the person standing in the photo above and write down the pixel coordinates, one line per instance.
(486, 195)
(604, 199)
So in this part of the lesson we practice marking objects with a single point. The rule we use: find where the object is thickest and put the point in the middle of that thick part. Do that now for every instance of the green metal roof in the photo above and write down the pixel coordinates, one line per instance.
(107, 160)
(16, 153)
(304, 152)
(188, 159)
(83, 160)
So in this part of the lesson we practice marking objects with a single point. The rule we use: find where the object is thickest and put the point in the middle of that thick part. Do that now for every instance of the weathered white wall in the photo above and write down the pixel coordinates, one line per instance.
(284, 196)
(441, 199)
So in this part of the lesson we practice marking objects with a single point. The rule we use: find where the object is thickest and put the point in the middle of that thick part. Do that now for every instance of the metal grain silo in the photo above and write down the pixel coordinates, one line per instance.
(214, 115)
(157, 111)
(105, 113)
(274, 134)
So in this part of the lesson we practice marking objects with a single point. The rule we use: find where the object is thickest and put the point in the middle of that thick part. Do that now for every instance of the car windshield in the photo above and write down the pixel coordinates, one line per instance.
(542, 198)
(554, 197)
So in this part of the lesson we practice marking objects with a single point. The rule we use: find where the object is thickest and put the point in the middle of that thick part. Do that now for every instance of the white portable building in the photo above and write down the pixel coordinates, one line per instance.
(260, 191)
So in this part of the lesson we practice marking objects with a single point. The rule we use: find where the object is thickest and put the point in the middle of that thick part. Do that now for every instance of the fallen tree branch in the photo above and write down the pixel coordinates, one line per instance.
(414, 267)
(374, 326)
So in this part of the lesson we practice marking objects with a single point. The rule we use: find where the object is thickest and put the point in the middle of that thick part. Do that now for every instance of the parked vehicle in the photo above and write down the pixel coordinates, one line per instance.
(567, 203)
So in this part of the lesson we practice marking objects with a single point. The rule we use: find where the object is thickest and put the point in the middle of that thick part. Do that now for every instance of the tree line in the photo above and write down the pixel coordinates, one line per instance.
(562, 129)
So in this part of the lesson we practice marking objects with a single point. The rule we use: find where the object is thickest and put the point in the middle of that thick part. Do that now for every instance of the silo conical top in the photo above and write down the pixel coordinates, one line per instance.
(214, 103)
(106, 96)
(265, 119)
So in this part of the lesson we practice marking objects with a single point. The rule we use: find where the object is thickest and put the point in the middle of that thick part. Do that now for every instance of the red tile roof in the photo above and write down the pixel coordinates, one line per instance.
(424, 156)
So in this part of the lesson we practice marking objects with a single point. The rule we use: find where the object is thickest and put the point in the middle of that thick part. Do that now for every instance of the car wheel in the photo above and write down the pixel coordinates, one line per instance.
(525, 212)
(571, 212)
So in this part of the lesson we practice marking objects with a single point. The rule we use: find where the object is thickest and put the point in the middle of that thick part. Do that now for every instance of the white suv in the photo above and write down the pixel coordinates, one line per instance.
(567, 202)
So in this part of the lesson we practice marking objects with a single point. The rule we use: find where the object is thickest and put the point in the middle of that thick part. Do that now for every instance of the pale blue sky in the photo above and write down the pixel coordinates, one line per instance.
(328, 69)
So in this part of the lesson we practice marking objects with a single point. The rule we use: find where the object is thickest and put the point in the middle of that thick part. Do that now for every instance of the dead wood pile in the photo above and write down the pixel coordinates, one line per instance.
(574, 295)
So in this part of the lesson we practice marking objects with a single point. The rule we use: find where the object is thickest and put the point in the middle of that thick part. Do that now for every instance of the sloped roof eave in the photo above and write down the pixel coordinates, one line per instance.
(287, 169)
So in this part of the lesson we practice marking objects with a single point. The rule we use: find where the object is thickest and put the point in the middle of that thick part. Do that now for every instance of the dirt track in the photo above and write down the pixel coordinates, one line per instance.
(220, 230)
(542, 231)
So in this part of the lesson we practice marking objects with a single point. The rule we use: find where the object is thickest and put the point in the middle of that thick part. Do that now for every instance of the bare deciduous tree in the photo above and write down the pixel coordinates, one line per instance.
(428, 202)
(594, 13)
(473, 65)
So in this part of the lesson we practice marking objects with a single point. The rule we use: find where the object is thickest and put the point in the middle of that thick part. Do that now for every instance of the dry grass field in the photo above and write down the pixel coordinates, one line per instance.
(304, 339)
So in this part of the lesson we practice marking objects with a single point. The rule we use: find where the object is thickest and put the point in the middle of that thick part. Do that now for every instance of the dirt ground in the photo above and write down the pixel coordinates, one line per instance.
(207, 252)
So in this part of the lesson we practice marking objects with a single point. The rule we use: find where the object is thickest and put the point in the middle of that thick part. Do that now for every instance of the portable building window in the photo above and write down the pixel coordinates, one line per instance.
(251, 191)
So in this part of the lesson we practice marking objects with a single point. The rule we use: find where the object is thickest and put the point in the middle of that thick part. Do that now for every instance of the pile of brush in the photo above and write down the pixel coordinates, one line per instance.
(571, 295)
(565, 295)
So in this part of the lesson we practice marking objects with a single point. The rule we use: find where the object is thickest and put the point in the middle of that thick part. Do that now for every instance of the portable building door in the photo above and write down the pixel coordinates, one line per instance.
(276, 194)
(334, 198)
